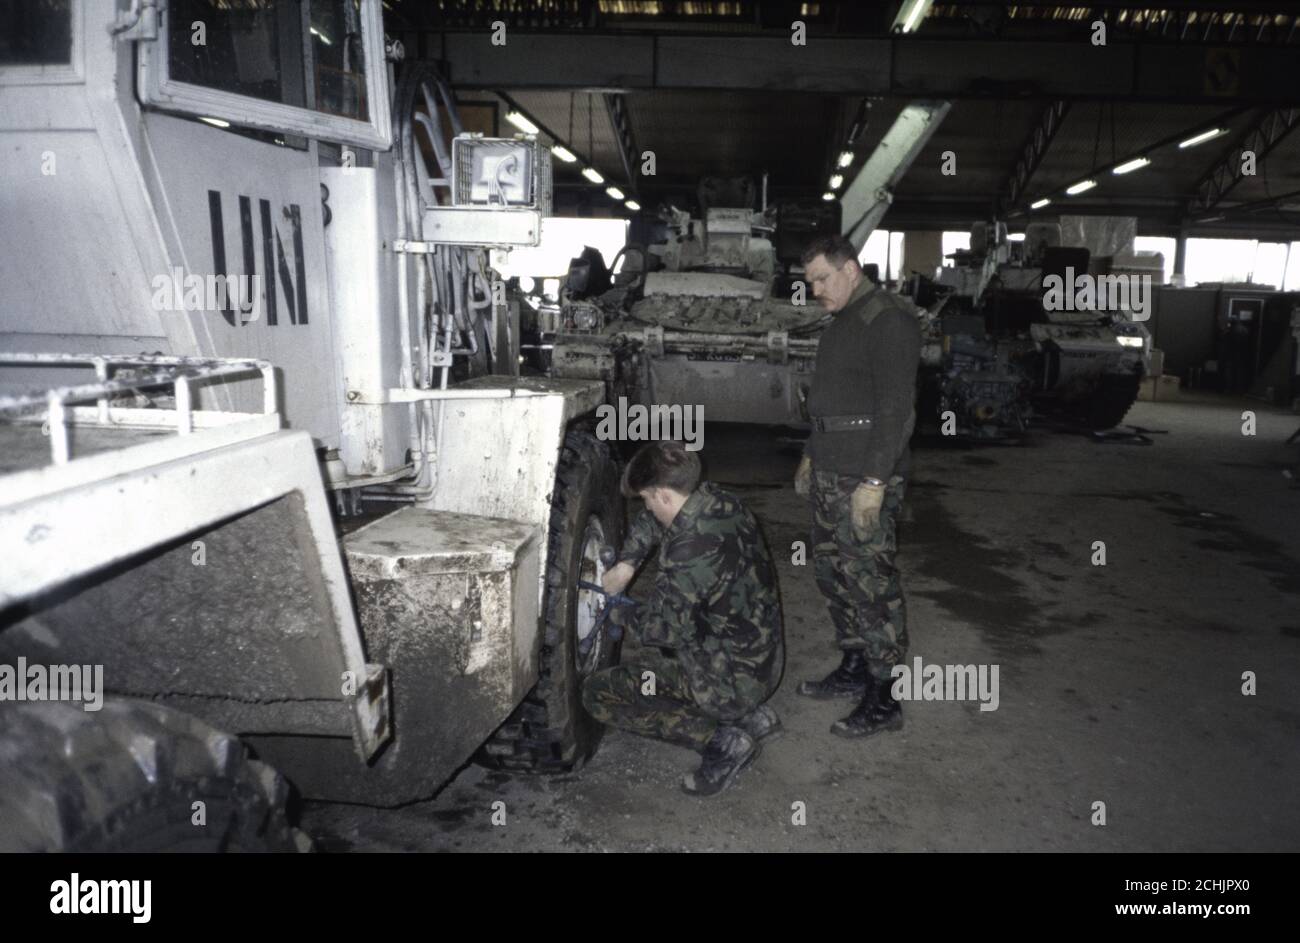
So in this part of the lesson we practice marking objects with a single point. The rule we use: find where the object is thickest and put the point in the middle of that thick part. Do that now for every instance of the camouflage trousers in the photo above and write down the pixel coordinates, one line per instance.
(856, 572)
(651, 696)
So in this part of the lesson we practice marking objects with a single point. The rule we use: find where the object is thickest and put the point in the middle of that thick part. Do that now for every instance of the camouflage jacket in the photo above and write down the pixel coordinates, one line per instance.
(715, 600)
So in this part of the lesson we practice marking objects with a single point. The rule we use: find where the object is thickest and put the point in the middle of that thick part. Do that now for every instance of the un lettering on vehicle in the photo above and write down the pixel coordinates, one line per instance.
(279, 246)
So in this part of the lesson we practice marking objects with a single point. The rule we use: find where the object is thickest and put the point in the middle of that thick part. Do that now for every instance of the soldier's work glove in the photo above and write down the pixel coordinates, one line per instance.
(803, 477)
(865, 507)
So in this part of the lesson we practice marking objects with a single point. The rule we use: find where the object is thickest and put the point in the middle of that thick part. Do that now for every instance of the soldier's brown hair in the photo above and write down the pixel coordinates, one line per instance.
(661, 465)
(837, 250)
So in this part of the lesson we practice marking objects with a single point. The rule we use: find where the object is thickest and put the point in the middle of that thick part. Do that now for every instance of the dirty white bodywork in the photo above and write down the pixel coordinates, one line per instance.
(129, 199)
(92, 487)
(102, 196)
(471, 576)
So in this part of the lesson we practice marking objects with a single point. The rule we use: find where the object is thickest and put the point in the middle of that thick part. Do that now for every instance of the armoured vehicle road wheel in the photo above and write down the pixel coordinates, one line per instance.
(129, 777)
(551, 732)
(1110, 402)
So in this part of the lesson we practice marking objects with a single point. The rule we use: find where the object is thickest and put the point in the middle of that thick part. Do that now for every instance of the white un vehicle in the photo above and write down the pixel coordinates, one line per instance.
(246, 290)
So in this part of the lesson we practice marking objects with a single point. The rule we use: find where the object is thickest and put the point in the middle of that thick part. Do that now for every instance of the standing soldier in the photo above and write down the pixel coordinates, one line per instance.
(712, 624)
(856, 464)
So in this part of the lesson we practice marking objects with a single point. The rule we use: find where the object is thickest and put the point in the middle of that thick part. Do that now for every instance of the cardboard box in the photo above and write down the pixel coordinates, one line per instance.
(1159, 389)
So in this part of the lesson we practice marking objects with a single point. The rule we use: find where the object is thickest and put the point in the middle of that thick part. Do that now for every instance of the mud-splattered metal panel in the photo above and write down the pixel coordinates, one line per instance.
(449, 603)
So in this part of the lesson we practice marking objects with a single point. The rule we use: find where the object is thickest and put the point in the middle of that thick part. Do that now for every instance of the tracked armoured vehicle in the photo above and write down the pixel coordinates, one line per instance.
(999, 348)
(711, 314)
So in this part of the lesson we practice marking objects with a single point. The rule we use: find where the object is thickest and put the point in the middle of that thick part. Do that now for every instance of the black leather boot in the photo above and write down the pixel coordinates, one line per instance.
(876, 712)
(729, 751)
(762, 724)
(848, 680)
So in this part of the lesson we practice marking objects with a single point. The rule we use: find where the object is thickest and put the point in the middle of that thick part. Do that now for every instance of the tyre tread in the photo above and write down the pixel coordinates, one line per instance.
(541, 735)
(73, 780)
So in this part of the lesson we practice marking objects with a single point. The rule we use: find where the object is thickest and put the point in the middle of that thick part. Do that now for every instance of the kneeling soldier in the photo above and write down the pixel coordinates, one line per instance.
(712, 625)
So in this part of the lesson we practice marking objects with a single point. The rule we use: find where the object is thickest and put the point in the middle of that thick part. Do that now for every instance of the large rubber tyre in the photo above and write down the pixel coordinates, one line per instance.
(1111, 401)
(126, 778)
(551, 732)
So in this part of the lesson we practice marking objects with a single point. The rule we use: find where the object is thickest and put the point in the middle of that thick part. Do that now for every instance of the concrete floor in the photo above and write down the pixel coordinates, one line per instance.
(1120, 684)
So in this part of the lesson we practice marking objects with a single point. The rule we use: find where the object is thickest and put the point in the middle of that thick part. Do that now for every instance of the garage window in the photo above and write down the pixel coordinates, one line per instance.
(884, 249)
(954, 241)
(1236, 260)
